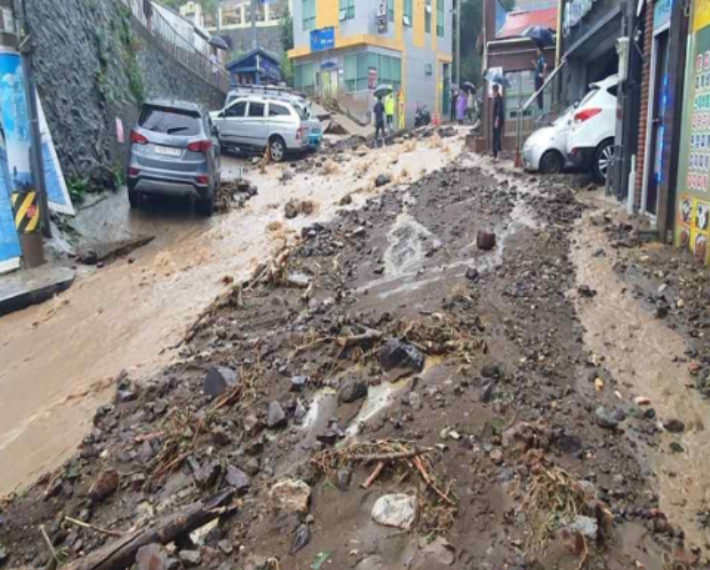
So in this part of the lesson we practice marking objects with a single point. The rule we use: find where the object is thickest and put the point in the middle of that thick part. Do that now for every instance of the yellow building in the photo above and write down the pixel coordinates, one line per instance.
(343, 49)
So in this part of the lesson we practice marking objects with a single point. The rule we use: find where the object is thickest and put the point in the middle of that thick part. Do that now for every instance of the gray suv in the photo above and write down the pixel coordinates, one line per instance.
(255, 122)
(174, 151)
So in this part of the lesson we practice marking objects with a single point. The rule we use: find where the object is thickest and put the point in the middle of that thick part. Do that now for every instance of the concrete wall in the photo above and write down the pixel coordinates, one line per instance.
(94, 63)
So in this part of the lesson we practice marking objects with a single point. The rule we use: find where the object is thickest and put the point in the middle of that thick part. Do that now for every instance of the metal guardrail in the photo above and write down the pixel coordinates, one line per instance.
(521, 110)
(180, 48)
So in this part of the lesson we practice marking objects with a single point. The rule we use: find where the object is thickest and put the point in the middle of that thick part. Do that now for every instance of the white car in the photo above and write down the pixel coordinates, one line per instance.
(591, 137)
(546, 149)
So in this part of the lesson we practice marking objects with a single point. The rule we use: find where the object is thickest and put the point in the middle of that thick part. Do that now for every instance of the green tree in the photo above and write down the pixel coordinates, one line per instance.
(286, 43)
(472, 28)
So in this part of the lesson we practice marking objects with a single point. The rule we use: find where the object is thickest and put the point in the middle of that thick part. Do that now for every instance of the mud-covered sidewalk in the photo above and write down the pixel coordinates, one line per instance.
(436, 379)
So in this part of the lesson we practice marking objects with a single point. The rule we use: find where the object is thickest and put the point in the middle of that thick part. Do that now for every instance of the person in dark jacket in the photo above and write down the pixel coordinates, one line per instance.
(379, 111)
(498, 121)
(454, 100)
(540, 73)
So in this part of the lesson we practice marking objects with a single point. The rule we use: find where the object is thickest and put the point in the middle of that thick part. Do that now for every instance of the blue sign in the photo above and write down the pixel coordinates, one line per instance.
(661, 13)
(322, 39)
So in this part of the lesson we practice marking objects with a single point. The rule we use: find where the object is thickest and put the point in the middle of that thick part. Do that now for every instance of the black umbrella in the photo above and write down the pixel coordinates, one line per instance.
(219, 43)
(469, 86)
(541, 36)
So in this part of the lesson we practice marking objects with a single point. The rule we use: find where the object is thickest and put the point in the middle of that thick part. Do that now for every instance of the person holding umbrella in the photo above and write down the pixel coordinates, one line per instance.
(540, 73)
(461, 104)
(379, 112)
(454, 98)
(470, 100)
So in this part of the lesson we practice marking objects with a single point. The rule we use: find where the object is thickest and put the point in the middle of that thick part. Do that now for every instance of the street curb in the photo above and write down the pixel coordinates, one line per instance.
(26, 288)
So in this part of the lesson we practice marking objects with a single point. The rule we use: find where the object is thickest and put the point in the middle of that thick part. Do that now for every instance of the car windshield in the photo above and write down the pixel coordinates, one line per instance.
(170, 121)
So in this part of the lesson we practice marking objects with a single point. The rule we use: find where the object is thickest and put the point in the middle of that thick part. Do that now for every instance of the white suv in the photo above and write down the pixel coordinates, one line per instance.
(591, 140)
(255, 122)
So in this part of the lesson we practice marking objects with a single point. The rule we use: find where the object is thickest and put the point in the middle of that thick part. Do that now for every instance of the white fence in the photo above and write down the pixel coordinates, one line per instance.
(180, 38)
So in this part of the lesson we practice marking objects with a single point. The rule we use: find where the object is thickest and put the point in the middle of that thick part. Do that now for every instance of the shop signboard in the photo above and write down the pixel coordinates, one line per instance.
(323, 39)
(693, 184)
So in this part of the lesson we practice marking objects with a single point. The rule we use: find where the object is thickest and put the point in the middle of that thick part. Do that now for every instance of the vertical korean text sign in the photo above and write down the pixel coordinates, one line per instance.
(693, 197)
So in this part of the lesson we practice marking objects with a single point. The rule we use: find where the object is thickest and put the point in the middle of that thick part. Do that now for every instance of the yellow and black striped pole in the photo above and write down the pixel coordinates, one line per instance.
(26, 209)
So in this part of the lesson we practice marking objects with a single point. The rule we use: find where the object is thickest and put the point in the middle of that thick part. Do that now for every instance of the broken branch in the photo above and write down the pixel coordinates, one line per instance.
(121, 553)
(420, 467)
(391, 456)
(93, 527)
(373, 477)
(368, 336)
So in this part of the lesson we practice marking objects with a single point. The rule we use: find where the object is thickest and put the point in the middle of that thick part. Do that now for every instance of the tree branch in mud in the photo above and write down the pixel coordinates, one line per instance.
(121, 553)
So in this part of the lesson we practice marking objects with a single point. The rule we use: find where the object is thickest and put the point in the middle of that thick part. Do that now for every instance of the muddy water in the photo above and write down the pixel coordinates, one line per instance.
(639, 351)
(59, 359)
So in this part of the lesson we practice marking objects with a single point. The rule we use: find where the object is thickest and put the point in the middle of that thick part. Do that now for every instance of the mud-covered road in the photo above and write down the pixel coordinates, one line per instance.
(59, 359)
(473, 369)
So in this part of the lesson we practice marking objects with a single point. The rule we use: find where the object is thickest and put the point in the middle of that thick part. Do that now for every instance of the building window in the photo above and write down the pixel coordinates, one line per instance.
(309, 15)
(232, 16)
(304, 78)
(522, 86)
(427, 16)
(407, 13)
(390, 10)
(347, 9)
(357, 69)
(440, 18)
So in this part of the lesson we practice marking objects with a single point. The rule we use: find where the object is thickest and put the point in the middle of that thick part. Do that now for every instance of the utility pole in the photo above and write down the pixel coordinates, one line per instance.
(19, 141)
(255, 36)
(458, 42)
(33, 117)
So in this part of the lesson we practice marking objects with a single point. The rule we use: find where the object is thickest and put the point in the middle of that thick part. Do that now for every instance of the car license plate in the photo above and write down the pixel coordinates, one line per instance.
(168, 151)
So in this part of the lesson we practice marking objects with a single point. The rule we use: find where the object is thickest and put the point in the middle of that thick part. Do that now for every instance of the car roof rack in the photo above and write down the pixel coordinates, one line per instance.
(266, 89)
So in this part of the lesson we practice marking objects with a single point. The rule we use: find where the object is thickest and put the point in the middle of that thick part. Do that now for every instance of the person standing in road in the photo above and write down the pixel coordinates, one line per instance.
(461, 103)
(470, 104)
(498, 121)
(454, 98)
(540, 73)
(379, 112)
(389, 111)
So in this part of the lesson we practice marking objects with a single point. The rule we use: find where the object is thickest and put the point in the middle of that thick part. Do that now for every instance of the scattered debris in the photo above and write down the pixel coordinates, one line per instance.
(291, 496)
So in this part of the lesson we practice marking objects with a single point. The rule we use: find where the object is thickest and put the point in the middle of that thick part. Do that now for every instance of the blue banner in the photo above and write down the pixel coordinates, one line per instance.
(14, 153)
(322, 39)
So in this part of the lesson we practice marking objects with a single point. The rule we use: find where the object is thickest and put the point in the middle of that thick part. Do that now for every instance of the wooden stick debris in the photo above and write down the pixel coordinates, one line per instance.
(420, 467)
(369, 335)
(93, 527)
(382, 457)
(375, 474)
(121, 554)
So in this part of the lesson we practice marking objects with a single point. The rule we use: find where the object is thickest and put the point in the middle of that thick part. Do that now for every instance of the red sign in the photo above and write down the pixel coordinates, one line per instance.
(372, 78)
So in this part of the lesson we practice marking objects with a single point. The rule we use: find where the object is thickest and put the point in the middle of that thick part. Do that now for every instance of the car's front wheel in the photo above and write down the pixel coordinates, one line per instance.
(603, 157)
(277, 149)
(551, 162)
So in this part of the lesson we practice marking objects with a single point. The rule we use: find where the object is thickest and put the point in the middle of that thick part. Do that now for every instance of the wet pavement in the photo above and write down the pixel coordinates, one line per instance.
(60, 358)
